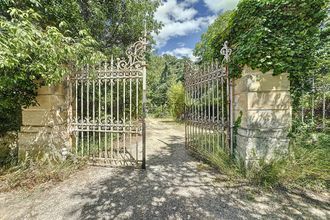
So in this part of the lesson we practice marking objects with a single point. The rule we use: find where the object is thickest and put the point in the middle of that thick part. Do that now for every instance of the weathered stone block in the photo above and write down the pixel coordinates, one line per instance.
(34, 117)
(256, 148)
(42, 117)
(262, 133)
(44, 127)
(268, 119)
(44, 102)
(240, 85)
(268, 100)
(241, 101)
(51, 90)
(258, 81)
(265, 104)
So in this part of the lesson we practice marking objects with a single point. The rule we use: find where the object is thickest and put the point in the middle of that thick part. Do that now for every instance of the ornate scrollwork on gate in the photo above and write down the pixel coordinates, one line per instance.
(135, 56)
(107, 109)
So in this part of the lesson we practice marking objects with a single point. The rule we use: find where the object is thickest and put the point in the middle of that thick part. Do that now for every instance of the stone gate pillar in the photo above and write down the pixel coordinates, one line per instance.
(262, 102)
(44, 127)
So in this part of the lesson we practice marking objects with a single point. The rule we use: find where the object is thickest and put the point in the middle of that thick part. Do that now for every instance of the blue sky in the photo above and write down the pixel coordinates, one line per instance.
(184, 22)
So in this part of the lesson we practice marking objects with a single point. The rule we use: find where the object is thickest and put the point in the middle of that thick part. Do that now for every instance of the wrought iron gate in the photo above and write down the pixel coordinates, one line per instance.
(108, 110)
(208, 113)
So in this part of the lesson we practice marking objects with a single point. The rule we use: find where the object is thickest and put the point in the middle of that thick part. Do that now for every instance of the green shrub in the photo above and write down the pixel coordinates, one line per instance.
(8, 149)
(308, 163)
(160, 111)
(10, 117)
(175, 98)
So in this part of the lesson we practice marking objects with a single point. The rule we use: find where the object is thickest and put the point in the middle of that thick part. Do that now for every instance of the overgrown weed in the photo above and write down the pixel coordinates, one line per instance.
(307, 165)
(29, 174)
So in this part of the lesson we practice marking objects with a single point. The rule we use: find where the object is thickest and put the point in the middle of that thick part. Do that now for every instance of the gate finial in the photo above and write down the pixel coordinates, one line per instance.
(226, 51)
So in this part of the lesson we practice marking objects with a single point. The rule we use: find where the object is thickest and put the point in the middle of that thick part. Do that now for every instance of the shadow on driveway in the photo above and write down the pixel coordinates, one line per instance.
(173, 188)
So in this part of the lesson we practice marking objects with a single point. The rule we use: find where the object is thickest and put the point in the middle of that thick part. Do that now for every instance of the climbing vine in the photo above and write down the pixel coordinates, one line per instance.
(279, 35)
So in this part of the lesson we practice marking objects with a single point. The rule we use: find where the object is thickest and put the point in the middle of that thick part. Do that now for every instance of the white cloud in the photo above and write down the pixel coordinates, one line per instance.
(179, 19)
(172, 10)
(218, 5)
(182, 52)
(181, 44)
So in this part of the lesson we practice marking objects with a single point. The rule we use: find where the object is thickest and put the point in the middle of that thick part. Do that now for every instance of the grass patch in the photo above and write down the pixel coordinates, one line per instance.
(306, 166)
(220, 160)
(29, 175)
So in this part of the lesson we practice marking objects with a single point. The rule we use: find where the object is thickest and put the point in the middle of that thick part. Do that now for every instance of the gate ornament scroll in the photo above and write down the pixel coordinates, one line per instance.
(136, 56)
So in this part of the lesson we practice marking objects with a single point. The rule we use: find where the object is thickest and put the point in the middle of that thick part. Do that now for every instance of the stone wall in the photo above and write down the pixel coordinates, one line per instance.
(44, 128)
(263, 101)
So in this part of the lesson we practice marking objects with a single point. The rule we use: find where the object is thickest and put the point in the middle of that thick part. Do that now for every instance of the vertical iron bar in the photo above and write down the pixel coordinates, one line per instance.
(209, 107)
(137, 116)
(228, 110)
(118, 120)
(222, 113)
(144, 101)
(205, 107)
(200, 110)
(94, 117)
(105, 115)
(88, 121)
(213, 112)
(99, 117)
(82, 115)
(193, 86)
(231, 115)
(111, 108)
(130, 113)
(194, 118)
(124, 116)
(76, 120)
(185, 109)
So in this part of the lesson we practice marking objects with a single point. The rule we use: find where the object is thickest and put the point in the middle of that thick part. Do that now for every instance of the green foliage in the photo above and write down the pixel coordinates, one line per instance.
(44, 40)
(221, 160)
(113, 24)
(175, 98)
(163, 72)
(212, 40)
(279, 35)
(307, 164)
(276, 35)
(10, 116)
(31, 55)
(8, 149)
(323, 52)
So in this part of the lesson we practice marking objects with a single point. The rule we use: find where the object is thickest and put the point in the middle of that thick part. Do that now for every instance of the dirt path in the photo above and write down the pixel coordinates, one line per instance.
(174, 186)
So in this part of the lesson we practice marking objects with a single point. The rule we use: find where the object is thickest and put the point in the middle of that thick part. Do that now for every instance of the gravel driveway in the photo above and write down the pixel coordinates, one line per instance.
(174, 186)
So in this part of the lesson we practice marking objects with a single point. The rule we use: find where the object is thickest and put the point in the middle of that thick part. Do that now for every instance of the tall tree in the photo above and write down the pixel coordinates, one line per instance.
(114, 24)
(43, 40)
(212, 40)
